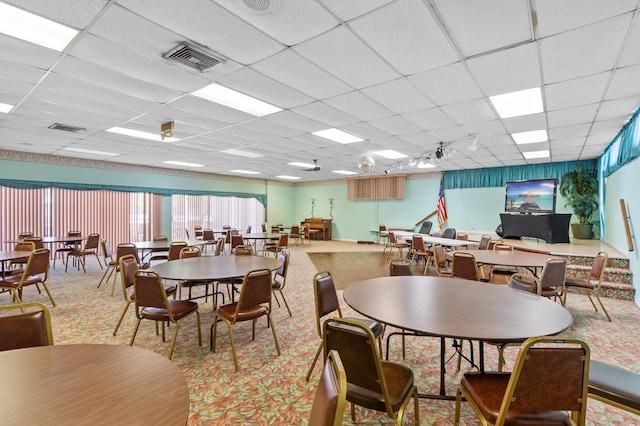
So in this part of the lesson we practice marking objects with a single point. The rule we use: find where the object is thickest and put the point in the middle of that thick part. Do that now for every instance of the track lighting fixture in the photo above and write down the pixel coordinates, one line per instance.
(166, 130)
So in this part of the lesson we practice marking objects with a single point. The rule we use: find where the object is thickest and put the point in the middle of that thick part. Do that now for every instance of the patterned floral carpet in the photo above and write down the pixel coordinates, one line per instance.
(271, 389)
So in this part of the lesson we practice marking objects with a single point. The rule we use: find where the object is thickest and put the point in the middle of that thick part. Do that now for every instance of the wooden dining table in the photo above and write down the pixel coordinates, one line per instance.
(91, 384)
(212, 268)
(8, 255)
(456, 308)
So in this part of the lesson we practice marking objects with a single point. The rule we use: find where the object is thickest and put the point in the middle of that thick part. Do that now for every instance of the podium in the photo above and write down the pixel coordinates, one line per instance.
(552, 228)
(321, 228)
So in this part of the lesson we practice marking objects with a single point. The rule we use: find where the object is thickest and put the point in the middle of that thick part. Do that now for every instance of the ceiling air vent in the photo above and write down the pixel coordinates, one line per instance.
(193, 56)
(65, 128)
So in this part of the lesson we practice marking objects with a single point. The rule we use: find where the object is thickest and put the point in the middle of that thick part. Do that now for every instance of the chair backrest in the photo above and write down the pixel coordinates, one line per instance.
(26, 328)
(417, 243)
(107, 254)
(219, 246)
(25, 246)
(128, 265)
(357, 347)
(464, 266)
(326, 297)
(187, 252)
(284, 268)
(24, 234)
(38, 263)
(382, 228)
(236, 240)
(295, 229)
(440, 258)
(284, 241)
(74, 233)
(244, 250)
(502, 247)
(426, 226)
(174, 249)
(392, 237)
(248, 231)
(597, 268)
(93, 240)
(462, 236)
(526, 283)
(37, 241)
(160, 238)
(484, 242)
(264, 227)
(331, 393)
(256, 290)
(124, 249)
(449, 233)
(275, 229)
(538, 385)
(400, 267)
(208, 235)
(198, 232)
(553, 273)
(150, 292)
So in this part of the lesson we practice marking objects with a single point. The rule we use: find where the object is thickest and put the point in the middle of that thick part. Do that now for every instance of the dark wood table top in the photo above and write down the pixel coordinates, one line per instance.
(205, 268)
(91, 384)
(510, 258)
(13, 254)
(451, 307)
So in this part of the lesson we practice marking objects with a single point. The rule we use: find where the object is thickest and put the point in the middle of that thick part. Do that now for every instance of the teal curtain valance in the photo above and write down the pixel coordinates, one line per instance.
(29, 184)
(499, 176)
(624, 148)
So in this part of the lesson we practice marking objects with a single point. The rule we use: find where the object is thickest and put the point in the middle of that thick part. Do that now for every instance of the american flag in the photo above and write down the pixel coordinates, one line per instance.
(442, 207)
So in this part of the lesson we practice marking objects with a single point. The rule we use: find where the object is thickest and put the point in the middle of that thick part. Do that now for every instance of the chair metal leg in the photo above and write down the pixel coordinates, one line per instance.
(315, 359)
(602, 306)
(126, 308)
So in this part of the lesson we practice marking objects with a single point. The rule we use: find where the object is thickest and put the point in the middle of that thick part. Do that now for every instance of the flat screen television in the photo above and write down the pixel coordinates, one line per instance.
(531, 196)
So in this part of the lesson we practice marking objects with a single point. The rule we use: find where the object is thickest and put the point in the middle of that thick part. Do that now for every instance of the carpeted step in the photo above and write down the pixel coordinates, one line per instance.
(616, 291)
(615, 275)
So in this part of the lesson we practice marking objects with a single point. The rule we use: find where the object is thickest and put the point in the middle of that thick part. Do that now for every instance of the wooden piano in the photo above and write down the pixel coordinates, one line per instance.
(320, 229)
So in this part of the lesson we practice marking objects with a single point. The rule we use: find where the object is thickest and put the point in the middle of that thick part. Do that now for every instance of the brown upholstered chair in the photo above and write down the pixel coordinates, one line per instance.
(236, 240)
(209, 236)
(283, 244)
(24, 234)
(37, 241)
(109, 261)
(399, 267)
(331, 393)
(280, 279)
(550, 378)
(499, 273)
(243, 250)
(484, 242)
(198, 233)
(394, 243)
(552, 281)
(419, 250)
(16, 266)
(67, 247)
(90, 248)
(174, 249)
(295, 234)
(326, 299)
(443, 269)
(306, 233)
(593, 284)
(254, 302)
(219, 247)
(125, 249)
(185, 253)
(159, 253)
(27, 328)
(152, 304)
(383, 234)
(615, 386)
(371, 382)
(464, 266)
(35, 272)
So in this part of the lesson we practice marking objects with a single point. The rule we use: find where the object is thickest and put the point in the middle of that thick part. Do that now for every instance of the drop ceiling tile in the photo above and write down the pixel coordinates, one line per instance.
(577, 92)
(433, 118)
(584, 51)
(11, 92)
(296, 121)
(347, 10)
(487, 128)
(450, 134)
(291, 69)
(562, 133)
(497, 142)
(474, 111)
(20, 73)
(25, 53)
(210, 25)
(266, 125)
(569, 116)
(399, 95)
(620, 109)
(508, 70)
(625, 82)
(559, 16)
(199, 106)
(631, 49)
(407, 35)
(75, 13)
(345, 56)
(364, 131)
(395, 125)
(447, 85)
(325, 114)
(567, 144)
(421, 139)
(525, 123)
(359, 105)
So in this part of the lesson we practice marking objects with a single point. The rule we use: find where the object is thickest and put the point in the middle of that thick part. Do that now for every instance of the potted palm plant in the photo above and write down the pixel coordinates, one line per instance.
(579, 187)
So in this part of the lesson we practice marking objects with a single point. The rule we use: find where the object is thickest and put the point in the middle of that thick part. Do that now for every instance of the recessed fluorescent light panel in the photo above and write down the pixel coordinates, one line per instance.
(242, 153)
(530, 137)
(246, 172)
(141, 135)
(180, 163)
(515, 104)
(344, 172)
(337, 136)
(390, 154)
(90, 151)
(5, 108)
(299, 164)
(288, 177)
(236, 100)
(26, 26)
(531, 155)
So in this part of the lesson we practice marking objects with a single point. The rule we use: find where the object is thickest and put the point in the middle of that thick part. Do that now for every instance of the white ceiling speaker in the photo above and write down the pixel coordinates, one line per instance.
(366, 163)
(261, 7)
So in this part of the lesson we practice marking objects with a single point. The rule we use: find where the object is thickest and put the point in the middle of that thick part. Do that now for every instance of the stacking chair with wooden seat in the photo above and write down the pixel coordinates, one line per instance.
(592, 285)
(326, 299)
(254, 302)
(152, 304)
(331, 393)
(67, 247)
(26, 327)
(419, 250)
(280, 279)
(394, 243)
(90, 248)
(550, 378)
(35, 272)
(441, 262)
(464, 266)
(371, 382)
(109, 261)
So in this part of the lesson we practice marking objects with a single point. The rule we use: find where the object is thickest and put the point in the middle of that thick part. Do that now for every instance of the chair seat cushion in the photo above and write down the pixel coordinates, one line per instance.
(13, 281)
(615, 384)
(488, 389)
(399, 382)
(179, 308)
(579, 283)
(253, 312)
(276, 285)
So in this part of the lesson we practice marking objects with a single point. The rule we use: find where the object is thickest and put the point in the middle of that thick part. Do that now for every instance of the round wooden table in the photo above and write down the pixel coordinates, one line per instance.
(457, 308)
(91, 384)
(211, 268)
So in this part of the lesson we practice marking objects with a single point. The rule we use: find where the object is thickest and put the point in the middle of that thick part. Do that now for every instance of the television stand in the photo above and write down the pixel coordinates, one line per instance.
(552, 228)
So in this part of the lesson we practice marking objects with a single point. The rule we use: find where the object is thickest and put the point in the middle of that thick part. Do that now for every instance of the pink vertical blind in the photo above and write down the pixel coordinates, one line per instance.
(22, 210)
